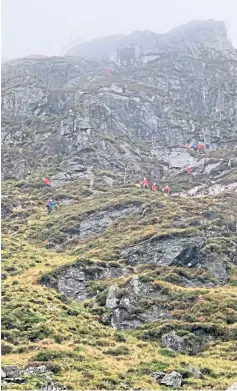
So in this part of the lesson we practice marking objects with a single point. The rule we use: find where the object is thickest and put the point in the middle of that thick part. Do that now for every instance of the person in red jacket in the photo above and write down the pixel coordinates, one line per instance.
(154, 187)
(200, 147)
(167, 190)
(145, 183)
(47, 182)
(188, 170)
(108, 74)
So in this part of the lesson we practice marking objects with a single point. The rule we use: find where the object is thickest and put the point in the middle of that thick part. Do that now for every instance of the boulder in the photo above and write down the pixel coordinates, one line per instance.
(112, 300)
(174, 342)
(195, 371)
(122, 320)
(3, 374)
(192, 343)
(187, 344)
(11, 371)
(233, 387)
(40, 370)
(157, 376)
(51, 386)
(173, 379)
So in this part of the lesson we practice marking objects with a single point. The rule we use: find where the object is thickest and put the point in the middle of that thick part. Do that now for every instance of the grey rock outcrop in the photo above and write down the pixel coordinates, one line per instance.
(174, 342)
(188, 344)
(112, 300)
(41, 371)
(11, 371)
(183, 252)
(98, 222)
(217, 266)
(173, 379)
(11, 374)
(73, 280)
(164, 252)
(157, 376)
(95, 223)
(126, 305)
(52, 386)
(3, 374)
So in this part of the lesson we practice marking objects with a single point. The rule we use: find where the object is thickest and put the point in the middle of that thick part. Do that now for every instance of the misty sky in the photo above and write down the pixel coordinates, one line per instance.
(45, 26)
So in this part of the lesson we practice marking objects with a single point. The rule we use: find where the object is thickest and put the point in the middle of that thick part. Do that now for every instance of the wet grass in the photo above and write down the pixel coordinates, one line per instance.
(40, 324)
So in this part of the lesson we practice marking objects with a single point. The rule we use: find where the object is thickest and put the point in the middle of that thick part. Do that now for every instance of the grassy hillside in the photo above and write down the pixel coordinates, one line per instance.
(41, 325)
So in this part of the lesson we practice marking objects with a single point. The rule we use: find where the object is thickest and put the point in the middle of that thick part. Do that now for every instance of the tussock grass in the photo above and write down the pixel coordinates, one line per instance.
(40, 324)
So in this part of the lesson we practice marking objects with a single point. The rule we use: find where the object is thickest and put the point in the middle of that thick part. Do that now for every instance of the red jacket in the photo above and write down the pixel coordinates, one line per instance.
(145, 182)
(200, 146)
(188, 170)
(166, 189)
(46, 181)
(154, 187)
(108, 71)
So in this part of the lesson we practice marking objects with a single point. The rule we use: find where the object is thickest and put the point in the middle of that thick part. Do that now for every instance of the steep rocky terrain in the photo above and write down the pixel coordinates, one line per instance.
(121, 288)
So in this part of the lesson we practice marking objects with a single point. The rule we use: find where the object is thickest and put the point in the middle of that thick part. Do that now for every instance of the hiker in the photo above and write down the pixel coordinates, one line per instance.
(50, 205)
(167, 190)
(89, 84)
(145, 183)
(124, 88)
(229, 165)
(200, 147)
(108, 74)
(46, 181)
(154, 187)
(195, 146)
(186, 146)
(188, 170)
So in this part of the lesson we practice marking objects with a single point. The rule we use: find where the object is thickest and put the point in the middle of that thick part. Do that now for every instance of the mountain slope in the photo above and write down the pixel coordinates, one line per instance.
(173, 97)
(121, 288)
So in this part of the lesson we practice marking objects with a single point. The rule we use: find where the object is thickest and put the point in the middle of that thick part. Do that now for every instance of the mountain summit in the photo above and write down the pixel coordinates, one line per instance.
(209, 33)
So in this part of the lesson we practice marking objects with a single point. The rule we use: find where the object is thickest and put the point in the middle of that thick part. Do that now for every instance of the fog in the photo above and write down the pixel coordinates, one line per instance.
(47, 26)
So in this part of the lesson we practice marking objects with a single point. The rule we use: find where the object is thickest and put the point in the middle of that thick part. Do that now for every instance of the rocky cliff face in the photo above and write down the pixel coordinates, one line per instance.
(175, 95)
(121, 287)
